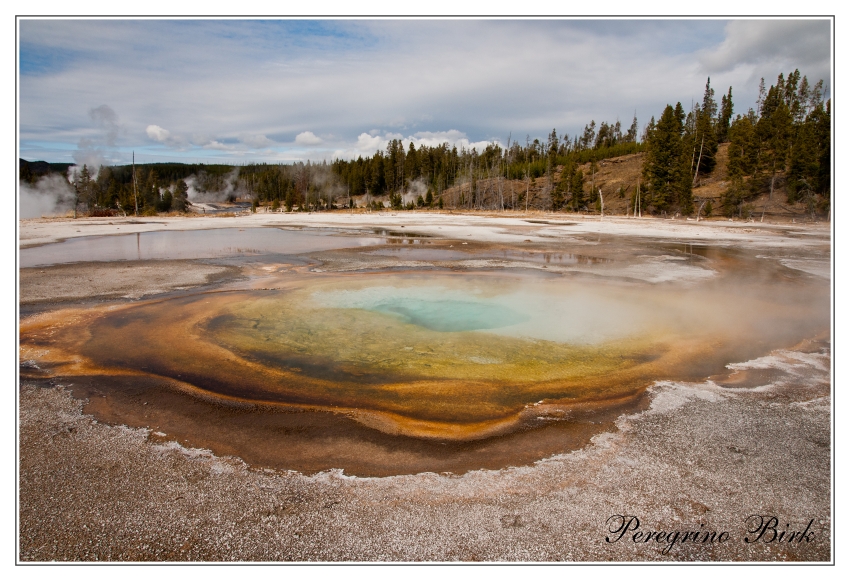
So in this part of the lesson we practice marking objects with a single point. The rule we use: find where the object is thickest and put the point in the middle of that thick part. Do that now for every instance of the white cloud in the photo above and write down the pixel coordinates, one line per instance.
(758, 41)
(369, 144)
(258, 141)
(308, 138)
(164, 136)
(453, 137)
(432, 138)
(245, 85)
(754, 49)
(218, 145)
(157, 133)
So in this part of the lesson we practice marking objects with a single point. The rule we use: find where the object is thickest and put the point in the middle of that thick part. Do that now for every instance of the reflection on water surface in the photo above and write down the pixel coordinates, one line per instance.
(189, 244)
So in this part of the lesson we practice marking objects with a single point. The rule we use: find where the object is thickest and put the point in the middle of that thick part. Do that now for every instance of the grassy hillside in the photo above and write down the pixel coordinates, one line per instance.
(618, 177)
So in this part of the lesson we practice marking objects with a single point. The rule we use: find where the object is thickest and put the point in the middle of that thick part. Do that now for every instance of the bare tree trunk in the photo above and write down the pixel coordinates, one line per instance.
(602, 205)
(700, 209)
(692, 157)
(696, 173)
(501, 176)
(135, 197)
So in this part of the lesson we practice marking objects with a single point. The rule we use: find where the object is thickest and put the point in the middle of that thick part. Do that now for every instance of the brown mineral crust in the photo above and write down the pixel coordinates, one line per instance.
(90, 491)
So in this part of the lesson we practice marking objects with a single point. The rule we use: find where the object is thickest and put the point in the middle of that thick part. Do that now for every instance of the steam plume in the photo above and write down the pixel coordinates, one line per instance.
(51, 195)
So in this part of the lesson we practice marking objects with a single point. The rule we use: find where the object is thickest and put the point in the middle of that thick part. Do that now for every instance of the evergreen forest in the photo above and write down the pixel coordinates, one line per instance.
(777, 151)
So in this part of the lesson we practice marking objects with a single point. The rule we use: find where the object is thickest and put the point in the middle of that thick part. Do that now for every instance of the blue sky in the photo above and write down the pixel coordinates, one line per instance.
(93, 91)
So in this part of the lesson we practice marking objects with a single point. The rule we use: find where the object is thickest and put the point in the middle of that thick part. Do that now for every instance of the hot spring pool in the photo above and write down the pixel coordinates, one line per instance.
(452, 364)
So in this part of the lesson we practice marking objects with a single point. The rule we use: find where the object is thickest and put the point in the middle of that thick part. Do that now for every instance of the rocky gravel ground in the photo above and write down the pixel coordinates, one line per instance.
(702, 458)
(123, 280)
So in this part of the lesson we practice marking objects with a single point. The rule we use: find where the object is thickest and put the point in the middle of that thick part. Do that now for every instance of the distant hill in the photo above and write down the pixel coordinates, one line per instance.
(32, 170)
(618, 177)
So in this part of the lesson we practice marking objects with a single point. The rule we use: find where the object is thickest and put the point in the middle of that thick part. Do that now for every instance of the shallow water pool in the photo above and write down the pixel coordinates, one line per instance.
(190, 244)
(408, 360)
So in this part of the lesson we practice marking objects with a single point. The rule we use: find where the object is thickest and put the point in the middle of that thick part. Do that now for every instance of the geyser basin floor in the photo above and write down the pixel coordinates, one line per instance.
(355, 366)
(701, 455)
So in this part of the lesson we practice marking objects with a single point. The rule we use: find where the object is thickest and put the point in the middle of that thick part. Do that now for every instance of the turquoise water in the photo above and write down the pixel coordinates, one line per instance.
(451, 315)
(518, 306)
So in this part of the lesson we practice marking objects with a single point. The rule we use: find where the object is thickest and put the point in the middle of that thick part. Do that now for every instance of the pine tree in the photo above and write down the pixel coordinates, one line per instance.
(705, 137)
(588, 137)
(631, 134)
(577, 199)
(666, 165)
(809, 171)
(742, 162)
(180, 197)
(84, 183)
(561, 194)
(552, 145)
(773, 131)
(725, 117)
(411, 164)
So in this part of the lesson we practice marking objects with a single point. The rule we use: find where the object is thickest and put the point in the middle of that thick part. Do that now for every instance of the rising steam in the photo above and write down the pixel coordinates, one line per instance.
(416, 188)
(50, 196)
(204, 187)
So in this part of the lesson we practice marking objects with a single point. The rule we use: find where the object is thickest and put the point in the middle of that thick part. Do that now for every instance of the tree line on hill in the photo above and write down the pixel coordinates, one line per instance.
(680, 148)
(785, 139)
(480, 176)
(788, 133)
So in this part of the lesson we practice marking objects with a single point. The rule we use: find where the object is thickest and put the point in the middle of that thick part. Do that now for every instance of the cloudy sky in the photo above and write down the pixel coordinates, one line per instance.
(93, 91)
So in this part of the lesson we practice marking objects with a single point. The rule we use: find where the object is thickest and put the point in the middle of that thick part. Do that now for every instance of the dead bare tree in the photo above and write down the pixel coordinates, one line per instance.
(602, 205)
(637, 200)
(699, 160)
(700, 209)
(135, 195)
